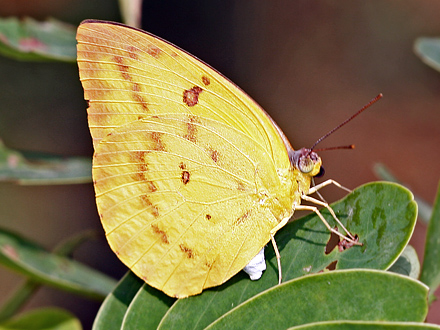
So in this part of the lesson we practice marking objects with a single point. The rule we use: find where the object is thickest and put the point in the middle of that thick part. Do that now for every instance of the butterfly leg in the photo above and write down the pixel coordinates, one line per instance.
(315, 209)
(277, 253)
(326, 183)
(275, 247)
(324, 204)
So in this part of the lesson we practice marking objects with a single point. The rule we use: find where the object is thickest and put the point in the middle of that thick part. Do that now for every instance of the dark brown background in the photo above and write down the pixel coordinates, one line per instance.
(310, 64)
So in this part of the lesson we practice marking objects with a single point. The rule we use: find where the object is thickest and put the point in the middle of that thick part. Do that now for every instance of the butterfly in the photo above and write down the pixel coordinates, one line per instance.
(192, 177)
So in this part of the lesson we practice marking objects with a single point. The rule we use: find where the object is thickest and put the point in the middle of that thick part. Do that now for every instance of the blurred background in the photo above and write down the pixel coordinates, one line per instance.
(310, 64)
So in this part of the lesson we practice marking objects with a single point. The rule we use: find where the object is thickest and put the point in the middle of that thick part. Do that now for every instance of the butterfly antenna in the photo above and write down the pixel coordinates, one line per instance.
(366, 106)
(351, 146)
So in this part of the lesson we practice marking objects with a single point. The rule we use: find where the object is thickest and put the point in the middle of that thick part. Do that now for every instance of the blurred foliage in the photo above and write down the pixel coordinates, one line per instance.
(42, 169)
(428, 49)
(30, 40)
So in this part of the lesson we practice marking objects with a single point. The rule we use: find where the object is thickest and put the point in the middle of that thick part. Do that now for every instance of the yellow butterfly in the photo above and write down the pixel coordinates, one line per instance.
(192, 177)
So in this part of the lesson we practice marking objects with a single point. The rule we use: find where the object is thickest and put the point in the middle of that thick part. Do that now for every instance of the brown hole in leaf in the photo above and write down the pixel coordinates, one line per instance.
(332, 242)
(332, 265)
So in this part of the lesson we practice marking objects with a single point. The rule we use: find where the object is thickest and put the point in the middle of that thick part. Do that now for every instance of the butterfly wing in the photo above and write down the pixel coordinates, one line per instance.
(190, 174)
(177, 209)
(128, 74)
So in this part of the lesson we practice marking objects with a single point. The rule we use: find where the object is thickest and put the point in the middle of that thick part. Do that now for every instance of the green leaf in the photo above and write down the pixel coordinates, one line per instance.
(43, 169)
(360, 325)
(424, 208)
(147, 309)
(408, 263)
(383, 214)
(113, 309)
(34, 262)
(367, 295)
(43, 318)
(431, 261)
(428, 49)
(30, 40)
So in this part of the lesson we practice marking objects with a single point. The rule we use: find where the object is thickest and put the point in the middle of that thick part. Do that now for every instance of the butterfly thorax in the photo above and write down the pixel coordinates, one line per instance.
(294, 182)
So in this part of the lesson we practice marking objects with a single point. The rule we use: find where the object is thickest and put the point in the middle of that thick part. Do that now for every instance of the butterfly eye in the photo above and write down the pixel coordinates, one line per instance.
(321, 172)
(305, 164)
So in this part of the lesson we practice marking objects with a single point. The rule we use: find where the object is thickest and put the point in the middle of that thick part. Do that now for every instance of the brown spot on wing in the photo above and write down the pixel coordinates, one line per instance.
(123, 68)
(153, 51)
(136, 89)
(242, 218)
(162, 234)
(191, 130)
(151, 186)
(139, 157)
(241, 186)
(142, 169)
(208, 216)
(214, 154)
(185, 177)
(189, 252)
(191, 96)
(205, 80)
(132, 52)
(156, 137)
(148, 204)
(182, 166)
(138, 97)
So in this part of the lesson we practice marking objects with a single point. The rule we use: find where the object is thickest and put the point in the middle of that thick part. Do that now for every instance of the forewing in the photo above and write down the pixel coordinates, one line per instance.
(128, 74)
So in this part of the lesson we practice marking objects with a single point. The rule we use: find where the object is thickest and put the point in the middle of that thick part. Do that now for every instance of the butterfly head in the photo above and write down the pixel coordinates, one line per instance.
(306, 161)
